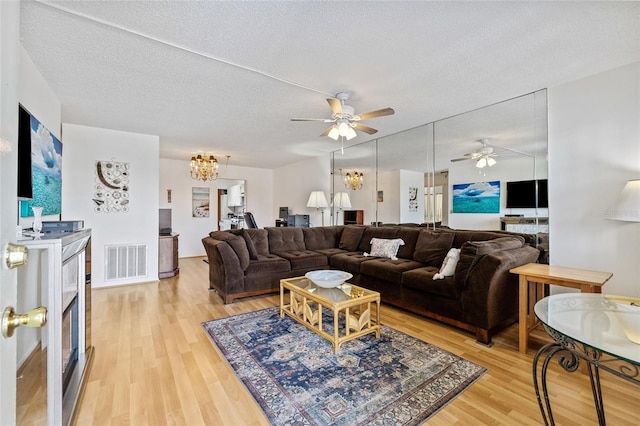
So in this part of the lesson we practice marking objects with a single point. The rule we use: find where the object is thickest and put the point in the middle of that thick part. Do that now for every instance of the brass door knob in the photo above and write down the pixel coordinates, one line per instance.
(34, 318)
(15, 255)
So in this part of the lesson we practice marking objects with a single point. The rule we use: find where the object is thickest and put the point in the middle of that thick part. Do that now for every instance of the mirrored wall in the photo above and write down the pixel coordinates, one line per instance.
(231, 202)
(484, 169)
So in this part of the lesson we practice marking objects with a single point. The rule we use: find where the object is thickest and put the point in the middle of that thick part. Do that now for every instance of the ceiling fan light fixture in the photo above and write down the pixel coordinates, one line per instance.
(482, 163)
(351, 133)
(334, 133)
(490, 161)
(343, 128)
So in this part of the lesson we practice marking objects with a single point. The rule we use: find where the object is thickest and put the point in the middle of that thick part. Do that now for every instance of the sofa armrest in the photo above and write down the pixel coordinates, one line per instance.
(491, 291)
(225, 273)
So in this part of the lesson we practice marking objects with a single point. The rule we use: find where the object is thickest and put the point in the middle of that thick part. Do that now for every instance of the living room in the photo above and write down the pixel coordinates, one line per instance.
(593, 136)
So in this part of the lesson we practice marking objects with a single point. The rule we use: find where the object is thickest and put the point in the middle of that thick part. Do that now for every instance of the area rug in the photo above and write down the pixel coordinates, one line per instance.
(296, 378)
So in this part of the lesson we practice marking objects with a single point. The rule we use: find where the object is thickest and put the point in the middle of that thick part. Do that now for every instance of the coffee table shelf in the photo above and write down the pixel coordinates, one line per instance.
(355, 310)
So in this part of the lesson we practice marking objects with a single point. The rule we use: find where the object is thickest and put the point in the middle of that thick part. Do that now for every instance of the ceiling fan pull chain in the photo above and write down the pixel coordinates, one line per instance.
(342, 147)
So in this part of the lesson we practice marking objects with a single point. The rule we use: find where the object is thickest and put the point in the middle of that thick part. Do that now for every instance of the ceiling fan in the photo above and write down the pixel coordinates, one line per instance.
(345, 121)
(484, 156)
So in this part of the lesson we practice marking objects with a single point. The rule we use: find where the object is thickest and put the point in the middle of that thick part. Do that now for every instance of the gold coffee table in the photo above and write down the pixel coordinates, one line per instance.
(306, 302)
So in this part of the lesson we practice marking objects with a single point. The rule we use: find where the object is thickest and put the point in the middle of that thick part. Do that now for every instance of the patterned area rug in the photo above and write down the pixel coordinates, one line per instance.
(297, 379)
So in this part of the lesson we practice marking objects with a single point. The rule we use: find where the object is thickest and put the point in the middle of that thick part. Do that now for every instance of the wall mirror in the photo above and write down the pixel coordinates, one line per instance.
(231, 202)
(490, 149)
(353, 186)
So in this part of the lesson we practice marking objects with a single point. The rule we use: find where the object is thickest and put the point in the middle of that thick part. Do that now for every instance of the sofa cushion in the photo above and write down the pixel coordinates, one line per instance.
(260, 239)
(285, 239)
(462, 236)
(348, 262)
(472, 251)
(305, 259)
(330, 251)
(320, 238)
(237, 243)
(410, 238)
(375, 232)
(432, 247)
(388, 269)
(421, 279)
(268, 264)
(381, 247)
(253, 251)
(351, 236)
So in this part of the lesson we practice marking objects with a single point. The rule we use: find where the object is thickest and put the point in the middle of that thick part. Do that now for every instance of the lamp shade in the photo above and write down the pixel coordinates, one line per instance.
(628, 206)
(341, 200)
(317, 200)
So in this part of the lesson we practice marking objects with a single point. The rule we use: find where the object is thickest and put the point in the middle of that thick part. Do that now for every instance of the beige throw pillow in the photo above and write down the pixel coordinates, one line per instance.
(381, 247)
(448, 267)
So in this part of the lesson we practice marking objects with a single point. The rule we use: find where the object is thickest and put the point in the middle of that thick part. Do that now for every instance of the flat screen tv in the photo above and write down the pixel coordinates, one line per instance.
(522, 194)
(25, 187)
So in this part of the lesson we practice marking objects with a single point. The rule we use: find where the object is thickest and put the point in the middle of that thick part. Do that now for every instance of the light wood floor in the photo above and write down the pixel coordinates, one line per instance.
(155, 365)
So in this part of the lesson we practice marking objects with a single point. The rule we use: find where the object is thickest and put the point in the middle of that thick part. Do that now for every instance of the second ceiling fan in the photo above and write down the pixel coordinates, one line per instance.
(345, 121)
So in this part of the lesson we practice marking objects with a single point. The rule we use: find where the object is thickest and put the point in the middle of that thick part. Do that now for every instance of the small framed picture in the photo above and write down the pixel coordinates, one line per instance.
(380, 196)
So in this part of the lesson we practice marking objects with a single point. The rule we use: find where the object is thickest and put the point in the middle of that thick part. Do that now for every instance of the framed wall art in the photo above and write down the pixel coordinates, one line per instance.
(477, 197)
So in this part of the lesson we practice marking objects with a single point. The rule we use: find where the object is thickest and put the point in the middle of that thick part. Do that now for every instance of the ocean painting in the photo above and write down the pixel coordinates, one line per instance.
(46, 171)
(478, 197)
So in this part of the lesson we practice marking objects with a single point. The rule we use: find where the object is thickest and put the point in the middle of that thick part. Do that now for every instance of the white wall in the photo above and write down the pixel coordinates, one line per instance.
(174, 175)
(83, 146)
(594, 149)
(389, 208)
(292, 185)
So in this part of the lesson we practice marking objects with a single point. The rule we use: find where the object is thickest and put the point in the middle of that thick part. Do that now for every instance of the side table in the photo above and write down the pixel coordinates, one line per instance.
(539, 275)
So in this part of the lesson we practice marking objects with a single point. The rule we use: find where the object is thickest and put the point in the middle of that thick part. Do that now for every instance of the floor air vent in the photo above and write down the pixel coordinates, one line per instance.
(129, 261)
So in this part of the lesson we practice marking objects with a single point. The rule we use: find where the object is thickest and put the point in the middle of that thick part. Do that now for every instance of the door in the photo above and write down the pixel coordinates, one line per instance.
(9, 60)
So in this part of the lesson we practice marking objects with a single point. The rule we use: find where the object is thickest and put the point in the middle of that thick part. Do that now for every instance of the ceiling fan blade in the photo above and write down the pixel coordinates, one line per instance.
(462, 159)
(336, 105)
(326, 120)
(374, 114)
(363, 128)
(326, 132)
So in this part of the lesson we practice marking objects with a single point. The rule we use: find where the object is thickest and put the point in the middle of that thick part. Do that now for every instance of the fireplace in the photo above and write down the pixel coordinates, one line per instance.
(69, 342)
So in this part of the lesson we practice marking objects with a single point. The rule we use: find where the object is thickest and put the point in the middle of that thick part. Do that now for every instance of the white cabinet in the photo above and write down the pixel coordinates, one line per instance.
(62, 283)
(235, 196)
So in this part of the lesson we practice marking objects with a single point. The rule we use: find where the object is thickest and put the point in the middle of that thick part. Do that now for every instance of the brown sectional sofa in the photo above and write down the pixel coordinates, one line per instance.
(481, 296)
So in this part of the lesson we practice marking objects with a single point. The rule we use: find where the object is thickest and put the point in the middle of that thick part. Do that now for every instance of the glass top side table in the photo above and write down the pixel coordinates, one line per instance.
(585, 327)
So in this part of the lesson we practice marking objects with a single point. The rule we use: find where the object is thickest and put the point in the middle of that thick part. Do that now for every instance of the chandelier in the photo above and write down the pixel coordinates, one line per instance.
(353, 180)
(205, 169)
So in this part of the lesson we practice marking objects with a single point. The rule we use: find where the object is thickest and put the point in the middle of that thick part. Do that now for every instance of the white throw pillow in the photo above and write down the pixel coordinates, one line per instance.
(448, 265)
(381, 247)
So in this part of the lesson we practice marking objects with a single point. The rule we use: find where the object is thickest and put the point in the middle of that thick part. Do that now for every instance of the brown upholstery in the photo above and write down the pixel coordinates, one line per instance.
(481, 297)
(432, 247)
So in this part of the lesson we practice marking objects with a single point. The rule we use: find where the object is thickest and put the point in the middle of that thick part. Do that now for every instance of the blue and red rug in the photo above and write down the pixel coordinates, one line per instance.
(297, 379)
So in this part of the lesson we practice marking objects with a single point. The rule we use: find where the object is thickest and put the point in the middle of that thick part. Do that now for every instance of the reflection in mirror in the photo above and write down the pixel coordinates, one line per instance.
(352, 203)
(403, 163)
(505, 142)
(478, 152)
(499, 151)
(231, 204)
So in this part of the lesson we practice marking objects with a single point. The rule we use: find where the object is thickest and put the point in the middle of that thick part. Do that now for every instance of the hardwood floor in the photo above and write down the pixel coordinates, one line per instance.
(155, 365)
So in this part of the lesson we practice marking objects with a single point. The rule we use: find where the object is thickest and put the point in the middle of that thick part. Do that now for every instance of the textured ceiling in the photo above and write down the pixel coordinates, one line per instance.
(226, 77)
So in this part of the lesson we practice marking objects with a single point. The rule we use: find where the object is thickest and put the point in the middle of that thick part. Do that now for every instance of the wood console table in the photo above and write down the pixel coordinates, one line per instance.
(540, 275)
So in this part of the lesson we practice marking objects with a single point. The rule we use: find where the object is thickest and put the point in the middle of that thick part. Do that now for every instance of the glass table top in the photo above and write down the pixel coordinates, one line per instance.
(593, 320)
(341, 293)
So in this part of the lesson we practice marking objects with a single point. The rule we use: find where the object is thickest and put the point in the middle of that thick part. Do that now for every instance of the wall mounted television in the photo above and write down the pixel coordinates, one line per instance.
(522, 194)
(25, 186)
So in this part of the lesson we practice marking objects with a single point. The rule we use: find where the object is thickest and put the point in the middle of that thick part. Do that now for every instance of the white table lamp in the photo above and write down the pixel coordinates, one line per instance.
(319, 201)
